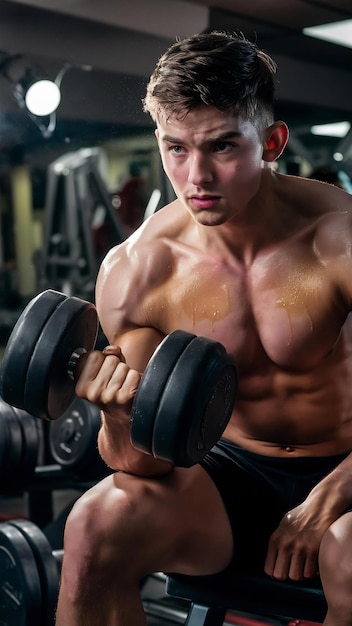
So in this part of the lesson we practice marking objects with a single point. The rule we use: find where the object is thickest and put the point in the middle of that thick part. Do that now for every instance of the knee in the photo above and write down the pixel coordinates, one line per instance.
(102, 529)
(335, 565)
(84, 530)
(335, 555)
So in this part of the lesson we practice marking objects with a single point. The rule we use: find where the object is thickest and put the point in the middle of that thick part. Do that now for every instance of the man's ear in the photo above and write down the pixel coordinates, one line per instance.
(275, 140)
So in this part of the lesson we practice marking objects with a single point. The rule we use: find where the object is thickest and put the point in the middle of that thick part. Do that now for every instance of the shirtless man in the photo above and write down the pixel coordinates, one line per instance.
(261, 262)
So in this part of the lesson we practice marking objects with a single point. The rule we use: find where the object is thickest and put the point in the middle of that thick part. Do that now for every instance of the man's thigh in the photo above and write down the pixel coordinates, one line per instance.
(174, 523)
(253, 506)
(257, 491)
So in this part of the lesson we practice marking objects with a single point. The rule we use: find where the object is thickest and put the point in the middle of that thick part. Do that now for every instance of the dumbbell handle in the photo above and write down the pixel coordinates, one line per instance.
(58, 555)
(73, 360)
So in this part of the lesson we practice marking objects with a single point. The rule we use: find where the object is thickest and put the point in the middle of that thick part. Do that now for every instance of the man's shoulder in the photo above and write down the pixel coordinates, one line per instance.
(158, 232)
(316, 198)
(148, 251)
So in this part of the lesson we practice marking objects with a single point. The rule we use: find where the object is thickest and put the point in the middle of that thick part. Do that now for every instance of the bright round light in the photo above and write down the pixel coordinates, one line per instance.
(43, 97)
(338, 156)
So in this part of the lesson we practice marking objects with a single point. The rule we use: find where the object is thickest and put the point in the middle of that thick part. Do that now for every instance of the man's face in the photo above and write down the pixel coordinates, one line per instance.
(214, 162)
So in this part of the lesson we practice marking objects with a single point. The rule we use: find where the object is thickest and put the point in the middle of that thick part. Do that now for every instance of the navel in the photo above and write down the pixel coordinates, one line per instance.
(288, 449)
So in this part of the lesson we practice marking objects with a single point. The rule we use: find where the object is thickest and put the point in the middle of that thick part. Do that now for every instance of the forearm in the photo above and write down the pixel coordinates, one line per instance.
(334, 492)
(117, 451)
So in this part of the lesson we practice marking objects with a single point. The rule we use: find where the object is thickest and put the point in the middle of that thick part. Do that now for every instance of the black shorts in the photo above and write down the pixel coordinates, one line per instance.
(257, 491)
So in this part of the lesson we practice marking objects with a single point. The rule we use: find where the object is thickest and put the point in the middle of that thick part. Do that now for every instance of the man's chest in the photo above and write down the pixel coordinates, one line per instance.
(280, 309)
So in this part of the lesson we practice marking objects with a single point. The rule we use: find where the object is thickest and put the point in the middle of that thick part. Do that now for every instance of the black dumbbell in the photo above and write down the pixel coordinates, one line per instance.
(184, 400)
(30, 572)
(73, 440)
(29, 575)
(19, 448)
(36, 360)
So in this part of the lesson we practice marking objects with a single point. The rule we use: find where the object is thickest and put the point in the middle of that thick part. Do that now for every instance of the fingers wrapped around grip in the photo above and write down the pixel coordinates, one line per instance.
(105, 379)
(181, 404)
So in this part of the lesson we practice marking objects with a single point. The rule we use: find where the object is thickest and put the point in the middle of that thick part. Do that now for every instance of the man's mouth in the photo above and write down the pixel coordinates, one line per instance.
(204, 201)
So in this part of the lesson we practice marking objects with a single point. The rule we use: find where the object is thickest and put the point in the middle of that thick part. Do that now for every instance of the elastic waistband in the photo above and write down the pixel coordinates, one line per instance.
(299, 464)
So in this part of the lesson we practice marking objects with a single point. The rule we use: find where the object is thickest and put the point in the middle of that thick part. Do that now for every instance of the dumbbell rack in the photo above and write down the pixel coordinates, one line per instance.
(75, 191)
(38, 458)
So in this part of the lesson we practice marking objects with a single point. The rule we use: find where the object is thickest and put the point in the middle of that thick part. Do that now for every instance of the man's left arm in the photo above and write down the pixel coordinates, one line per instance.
(294, 546)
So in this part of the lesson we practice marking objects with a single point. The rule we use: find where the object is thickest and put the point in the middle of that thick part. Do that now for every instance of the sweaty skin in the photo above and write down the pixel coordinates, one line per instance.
(280, 313)
(261, 262)
(271, 282)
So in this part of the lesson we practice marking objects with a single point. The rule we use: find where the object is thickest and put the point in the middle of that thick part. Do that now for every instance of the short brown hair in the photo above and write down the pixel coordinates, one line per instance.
(219, 69)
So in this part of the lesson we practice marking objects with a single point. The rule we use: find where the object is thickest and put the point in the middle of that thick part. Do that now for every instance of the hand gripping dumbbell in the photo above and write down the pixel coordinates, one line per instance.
(29, 575)
(183, 402)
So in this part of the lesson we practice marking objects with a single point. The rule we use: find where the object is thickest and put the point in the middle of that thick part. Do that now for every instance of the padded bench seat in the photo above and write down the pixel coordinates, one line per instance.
(212, 596)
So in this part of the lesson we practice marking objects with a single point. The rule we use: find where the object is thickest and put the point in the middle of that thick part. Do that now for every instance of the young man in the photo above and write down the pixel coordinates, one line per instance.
(261, 262)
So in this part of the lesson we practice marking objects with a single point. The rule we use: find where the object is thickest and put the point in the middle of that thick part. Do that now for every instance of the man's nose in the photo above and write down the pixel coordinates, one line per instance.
(200, 171)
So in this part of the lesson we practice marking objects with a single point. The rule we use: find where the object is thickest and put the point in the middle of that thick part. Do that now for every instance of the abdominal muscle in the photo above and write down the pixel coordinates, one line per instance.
(338, 444)
(295, 414)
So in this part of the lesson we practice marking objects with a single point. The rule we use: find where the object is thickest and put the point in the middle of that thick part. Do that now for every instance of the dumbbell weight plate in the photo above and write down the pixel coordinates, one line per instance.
(184, 400)
(73, 439)
(3, 444)
(46, 567)
(49, 390)
(151, 387)
(12, 434)
(196, 404)
(20, 442)
(30, 445)
(21, 344)
(20, 587)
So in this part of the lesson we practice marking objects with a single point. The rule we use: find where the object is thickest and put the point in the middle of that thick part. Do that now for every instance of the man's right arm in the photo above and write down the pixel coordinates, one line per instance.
(110, 378)
(107, 380)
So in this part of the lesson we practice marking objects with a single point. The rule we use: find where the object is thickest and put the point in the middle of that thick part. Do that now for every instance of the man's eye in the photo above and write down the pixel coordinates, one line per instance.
(223, 146)
(176, 149)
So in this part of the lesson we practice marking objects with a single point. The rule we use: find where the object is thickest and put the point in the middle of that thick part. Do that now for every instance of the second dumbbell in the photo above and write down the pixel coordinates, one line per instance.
(29, 575)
